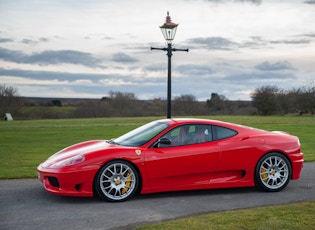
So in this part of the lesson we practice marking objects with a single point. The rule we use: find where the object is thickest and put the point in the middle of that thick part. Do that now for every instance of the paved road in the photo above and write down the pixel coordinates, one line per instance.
(25, 205)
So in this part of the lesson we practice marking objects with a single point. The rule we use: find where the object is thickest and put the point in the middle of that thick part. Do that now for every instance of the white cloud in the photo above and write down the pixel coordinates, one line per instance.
(86, 47)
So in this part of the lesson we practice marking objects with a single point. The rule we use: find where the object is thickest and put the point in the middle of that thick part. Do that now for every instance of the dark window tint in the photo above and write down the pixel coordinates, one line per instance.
(188, 134)
(223, 133)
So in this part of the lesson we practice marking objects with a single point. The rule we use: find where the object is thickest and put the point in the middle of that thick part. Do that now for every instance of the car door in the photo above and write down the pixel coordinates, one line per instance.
(235, 155)
(182, 163)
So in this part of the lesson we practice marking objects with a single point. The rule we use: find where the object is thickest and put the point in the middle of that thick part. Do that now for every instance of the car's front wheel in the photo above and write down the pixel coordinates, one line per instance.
(117, 181)
(273, 172)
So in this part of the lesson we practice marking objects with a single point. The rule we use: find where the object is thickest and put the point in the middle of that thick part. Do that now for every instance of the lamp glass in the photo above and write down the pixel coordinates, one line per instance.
(169, 33)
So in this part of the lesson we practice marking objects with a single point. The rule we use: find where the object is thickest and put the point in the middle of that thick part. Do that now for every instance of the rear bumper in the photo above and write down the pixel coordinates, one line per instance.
(297, 161)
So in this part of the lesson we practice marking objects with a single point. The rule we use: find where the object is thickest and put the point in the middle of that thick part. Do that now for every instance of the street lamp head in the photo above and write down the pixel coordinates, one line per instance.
(169, 29)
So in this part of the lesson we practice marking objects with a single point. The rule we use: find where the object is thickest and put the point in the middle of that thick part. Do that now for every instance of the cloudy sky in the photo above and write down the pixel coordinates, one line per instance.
(86, 48)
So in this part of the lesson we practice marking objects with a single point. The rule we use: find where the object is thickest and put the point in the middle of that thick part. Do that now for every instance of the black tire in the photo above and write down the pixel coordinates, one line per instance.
(273, 172)
(117, 181)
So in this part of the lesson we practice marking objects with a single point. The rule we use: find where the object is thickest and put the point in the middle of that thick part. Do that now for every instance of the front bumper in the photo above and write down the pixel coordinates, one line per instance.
(68, 181)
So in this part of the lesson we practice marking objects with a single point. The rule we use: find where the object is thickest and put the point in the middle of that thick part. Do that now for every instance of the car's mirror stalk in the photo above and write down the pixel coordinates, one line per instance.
(163, 141)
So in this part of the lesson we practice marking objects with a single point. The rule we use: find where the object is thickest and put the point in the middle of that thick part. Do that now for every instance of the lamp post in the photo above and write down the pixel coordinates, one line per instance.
(169, 30)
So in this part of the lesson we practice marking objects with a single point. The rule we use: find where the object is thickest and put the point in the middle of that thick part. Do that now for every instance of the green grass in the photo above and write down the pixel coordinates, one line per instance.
(26, 143)
(297, 216)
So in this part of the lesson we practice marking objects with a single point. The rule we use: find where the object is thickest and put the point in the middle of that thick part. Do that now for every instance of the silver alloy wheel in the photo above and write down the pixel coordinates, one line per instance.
(117, 181)
(274, 172)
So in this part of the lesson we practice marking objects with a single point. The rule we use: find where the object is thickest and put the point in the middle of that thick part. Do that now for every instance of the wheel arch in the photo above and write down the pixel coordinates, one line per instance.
(258, 184)
(118, 159)
(279, 152)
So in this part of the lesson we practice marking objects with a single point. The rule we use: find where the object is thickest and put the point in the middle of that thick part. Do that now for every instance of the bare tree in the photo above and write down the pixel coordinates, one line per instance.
(305, 99)
(216, 103)
(186, 105)
(125, 104)
(310, 92)
(265, 99)
(10, 100)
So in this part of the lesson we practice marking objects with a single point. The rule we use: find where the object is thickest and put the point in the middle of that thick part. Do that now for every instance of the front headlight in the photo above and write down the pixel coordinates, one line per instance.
(70, 161)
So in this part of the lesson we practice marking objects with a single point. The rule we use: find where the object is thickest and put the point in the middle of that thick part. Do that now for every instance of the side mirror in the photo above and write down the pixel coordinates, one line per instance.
(163, 141)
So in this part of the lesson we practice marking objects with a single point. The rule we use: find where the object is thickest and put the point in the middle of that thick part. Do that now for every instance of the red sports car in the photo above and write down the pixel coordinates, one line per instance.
(174, 154)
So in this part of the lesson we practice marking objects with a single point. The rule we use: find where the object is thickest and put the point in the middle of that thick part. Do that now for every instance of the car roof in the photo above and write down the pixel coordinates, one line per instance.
(196, 121)
(238, 127)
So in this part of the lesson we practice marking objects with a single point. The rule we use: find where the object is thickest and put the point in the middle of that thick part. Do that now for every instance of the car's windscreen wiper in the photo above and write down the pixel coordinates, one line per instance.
(111, 141)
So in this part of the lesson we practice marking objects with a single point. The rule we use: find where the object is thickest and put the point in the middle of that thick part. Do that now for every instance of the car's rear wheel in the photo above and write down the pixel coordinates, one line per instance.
(117, 181)
(273, 172)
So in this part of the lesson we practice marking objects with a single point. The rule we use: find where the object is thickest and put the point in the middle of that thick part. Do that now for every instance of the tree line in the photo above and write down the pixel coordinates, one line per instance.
(270, 100)
(266, 100)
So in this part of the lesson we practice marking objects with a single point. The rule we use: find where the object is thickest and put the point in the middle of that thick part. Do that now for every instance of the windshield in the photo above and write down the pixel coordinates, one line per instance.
(141, 135)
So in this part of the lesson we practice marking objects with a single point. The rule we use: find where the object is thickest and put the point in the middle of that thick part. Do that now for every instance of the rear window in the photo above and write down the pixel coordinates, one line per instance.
(223, 132)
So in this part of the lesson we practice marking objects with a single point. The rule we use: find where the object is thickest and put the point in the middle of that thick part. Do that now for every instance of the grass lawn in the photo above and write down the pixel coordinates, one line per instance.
(26, 143)
(299, 216)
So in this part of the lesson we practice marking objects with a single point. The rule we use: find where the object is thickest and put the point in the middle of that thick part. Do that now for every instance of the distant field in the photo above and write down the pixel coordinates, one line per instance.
(26, 143)
(44, 109)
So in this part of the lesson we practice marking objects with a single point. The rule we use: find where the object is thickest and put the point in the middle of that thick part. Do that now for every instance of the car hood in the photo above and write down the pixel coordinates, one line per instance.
(75, 154)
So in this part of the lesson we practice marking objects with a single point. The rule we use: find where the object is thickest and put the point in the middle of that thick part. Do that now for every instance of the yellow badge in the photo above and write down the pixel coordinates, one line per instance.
(138, 152)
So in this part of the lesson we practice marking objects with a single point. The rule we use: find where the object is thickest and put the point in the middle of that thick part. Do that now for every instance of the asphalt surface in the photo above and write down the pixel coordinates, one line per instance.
(24, 204)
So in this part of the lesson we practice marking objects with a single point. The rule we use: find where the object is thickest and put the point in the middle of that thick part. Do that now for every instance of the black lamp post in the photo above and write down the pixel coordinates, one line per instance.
(169, 30)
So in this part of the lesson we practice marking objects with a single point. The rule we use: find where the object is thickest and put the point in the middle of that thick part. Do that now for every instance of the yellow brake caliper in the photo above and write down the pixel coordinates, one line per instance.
(127, 184)
(264, 175)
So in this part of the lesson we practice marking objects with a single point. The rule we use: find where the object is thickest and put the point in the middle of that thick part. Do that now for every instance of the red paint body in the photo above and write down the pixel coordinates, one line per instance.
(222, 163)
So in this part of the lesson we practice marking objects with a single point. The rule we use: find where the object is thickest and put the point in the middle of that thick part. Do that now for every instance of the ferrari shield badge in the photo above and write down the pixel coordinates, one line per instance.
(138, 152)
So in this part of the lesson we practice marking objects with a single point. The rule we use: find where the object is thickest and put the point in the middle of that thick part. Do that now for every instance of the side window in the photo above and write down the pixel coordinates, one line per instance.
(199, 134)
(177, 136)
(174, 133)
(188, 134)
(222, 132)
